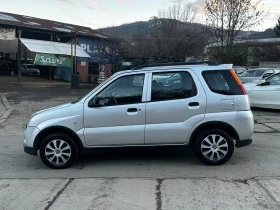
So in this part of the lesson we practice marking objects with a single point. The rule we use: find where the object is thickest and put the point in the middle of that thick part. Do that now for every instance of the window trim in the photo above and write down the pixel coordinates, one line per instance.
(149, 91)
(144, 96)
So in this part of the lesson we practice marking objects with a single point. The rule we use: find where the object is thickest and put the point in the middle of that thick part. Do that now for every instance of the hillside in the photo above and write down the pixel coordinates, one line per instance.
(144, 27)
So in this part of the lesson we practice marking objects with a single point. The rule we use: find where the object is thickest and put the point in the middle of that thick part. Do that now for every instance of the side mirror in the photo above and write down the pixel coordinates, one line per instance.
(94, 102)
(264, 84)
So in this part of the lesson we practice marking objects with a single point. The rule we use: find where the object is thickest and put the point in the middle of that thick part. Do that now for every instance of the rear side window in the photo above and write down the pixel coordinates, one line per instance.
(222, 82)
(172, 86)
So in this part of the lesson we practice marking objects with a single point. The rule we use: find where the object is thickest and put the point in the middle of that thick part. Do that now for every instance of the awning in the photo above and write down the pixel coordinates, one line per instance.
(56, 48)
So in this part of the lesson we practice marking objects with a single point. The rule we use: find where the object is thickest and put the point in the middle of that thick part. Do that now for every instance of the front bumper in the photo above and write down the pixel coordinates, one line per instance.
(30, 150)
(243, 143)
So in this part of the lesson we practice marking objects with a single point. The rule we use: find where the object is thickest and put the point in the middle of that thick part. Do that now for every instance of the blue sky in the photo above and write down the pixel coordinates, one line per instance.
(102, 13)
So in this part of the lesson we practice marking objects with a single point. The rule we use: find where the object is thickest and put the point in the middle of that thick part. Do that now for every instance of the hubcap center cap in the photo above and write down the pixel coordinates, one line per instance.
(57, 152)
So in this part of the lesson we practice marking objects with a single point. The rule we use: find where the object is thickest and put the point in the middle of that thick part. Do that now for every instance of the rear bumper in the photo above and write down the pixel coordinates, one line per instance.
(30, 150)
(243, 143)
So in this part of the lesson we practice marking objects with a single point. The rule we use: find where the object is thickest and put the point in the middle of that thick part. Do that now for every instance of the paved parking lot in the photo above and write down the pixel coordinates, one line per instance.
(166, 178)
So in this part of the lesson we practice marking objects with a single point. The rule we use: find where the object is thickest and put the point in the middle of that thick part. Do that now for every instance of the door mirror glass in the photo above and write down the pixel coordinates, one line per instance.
(94, 102)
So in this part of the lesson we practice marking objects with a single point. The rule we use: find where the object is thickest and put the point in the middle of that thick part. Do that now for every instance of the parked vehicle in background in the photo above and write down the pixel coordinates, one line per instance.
(255, 75)
(5, 67)
(29, 69)
(266, 93)
(201, 106)
(238, 69)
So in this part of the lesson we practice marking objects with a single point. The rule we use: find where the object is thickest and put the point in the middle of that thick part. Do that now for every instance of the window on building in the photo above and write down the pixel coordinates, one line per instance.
(93, 68)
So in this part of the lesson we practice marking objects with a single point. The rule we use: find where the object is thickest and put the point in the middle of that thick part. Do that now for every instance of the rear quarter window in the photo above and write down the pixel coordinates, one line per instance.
(221, 82)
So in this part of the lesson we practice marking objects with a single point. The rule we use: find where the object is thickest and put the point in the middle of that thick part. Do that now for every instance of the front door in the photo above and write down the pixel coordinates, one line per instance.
(118, 114)
(177, 103)
(267, 95)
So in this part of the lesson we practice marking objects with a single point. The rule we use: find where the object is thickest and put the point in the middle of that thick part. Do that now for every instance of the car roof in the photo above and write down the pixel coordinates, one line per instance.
(183, 67)
(262, 69)
(197, 66)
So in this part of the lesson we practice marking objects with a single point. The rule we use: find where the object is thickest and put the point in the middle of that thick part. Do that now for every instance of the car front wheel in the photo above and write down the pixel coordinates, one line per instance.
(214, 147)
(58, 151)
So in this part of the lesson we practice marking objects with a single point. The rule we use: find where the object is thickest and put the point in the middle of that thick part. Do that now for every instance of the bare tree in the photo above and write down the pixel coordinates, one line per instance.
(181, 36)
(226, 18)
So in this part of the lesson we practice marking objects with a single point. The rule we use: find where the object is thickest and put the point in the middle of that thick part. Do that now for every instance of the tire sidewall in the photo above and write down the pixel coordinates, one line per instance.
(202, 136)
(66, 138)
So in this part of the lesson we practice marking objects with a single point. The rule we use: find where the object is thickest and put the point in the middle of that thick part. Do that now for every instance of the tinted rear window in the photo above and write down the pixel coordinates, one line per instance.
(222, 82)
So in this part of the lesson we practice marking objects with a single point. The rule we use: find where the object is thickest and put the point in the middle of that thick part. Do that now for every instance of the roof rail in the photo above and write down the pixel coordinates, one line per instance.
(210, 63)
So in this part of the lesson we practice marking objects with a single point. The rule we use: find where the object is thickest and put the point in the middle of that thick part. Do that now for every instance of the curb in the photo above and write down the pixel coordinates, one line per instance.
(8, 107)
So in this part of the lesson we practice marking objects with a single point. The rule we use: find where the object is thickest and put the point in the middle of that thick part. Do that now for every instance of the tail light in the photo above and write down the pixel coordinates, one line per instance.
(238, 82)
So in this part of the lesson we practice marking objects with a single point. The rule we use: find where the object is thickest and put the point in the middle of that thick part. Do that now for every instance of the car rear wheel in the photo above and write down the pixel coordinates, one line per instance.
(58, 151)
(214, 147)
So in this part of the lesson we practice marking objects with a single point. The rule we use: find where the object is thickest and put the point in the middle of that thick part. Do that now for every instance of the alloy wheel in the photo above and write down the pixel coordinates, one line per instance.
(58, 152)
(214, 147)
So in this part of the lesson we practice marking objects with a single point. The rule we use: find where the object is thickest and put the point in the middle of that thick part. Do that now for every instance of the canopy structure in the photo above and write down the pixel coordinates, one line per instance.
(55, 48)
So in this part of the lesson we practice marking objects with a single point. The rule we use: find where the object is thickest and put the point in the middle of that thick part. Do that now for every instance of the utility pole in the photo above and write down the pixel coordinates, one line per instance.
(19, 56)
(75, 77)
(72, 53)
(75, 53)
(50, 66)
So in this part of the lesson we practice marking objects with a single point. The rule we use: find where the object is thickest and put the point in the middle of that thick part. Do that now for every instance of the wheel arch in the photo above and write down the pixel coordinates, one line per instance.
(55, 129)
(213, 125)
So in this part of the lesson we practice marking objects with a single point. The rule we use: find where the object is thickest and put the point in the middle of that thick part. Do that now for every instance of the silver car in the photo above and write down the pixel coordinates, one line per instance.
(30, 70)
(205, 107)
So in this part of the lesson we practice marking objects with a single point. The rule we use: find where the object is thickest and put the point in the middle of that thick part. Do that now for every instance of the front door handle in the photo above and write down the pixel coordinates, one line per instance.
(193, 104)
(132, 110)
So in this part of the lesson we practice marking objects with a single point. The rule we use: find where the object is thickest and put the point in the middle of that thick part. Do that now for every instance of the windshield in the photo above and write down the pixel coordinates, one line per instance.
(253, 73)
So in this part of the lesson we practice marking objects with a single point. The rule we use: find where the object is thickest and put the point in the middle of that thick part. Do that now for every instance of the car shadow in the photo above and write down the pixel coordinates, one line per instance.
(265, 110)
(140, 154)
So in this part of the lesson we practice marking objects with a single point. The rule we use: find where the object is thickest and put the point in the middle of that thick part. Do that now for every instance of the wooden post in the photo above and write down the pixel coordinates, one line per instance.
(19, 56)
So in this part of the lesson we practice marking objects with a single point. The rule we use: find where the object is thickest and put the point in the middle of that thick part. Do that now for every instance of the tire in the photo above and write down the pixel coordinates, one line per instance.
(62, 151)
(209, 151)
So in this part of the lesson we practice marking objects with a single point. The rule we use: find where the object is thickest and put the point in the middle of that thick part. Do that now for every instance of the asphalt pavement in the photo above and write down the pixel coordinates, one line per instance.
(156, 179)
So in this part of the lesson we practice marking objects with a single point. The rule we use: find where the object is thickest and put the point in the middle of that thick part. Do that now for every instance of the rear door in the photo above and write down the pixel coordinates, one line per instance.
(175, 103)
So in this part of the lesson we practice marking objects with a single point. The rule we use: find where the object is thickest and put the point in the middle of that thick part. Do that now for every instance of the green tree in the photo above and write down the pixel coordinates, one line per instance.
(277, 28)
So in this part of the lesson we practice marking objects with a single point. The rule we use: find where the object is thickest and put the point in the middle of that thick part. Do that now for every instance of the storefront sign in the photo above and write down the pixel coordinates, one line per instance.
(52, 60)
(99, 50)
(7, 33)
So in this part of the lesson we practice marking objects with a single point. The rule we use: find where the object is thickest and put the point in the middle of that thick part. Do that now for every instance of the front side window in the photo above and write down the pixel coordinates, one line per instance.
(172, 85)
(124, 90)
(274, 80)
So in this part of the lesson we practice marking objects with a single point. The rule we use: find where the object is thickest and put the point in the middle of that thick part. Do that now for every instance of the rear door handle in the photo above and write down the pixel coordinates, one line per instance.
(193, 104)
(132, 110)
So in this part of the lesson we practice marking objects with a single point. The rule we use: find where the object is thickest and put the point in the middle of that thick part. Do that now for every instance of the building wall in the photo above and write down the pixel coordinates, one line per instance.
(269, 64)
(64, 73)
(83, 70)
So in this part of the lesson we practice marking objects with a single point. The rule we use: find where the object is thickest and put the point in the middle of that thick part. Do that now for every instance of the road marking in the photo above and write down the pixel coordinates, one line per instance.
(8, 107)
